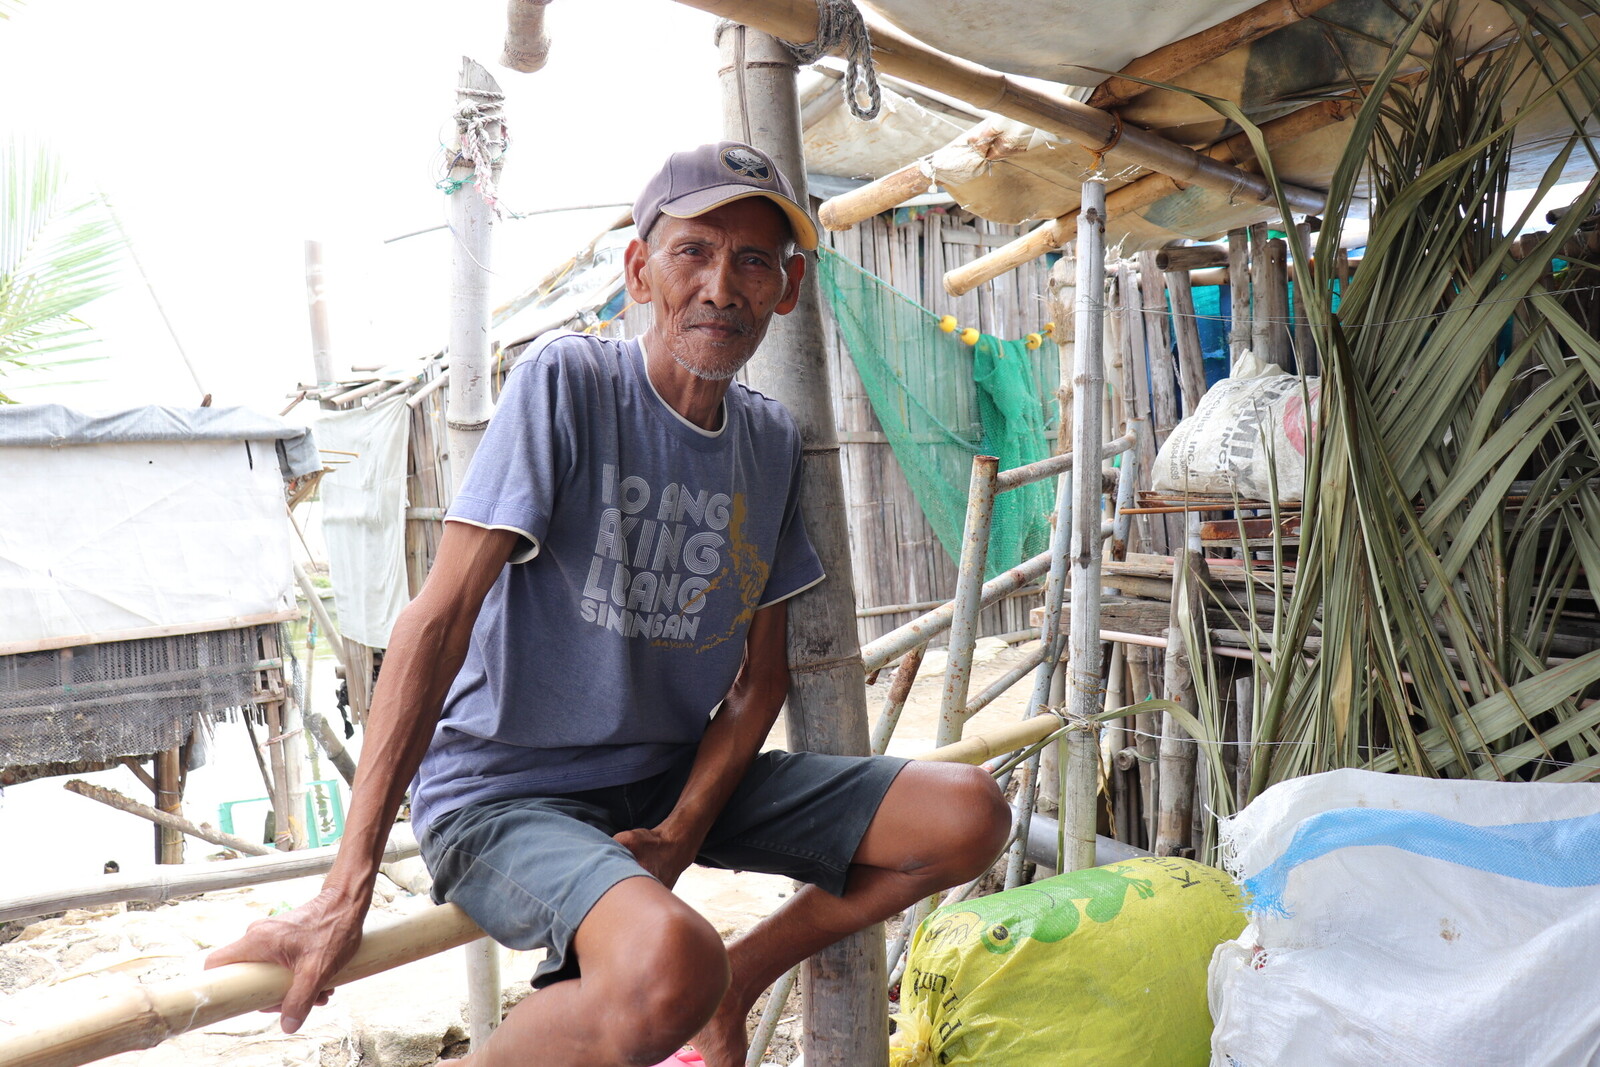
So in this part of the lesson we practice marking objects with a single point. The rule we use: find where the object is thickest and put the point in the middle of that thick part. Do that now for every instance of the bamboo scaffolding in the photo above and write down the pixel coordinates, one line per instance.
(898, 54)
(1140, 194)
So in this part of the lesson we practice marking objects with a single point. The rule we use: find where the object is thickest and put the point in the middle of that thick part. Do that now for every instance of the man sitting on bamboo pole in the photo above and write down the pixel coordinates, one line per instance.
(604, 631)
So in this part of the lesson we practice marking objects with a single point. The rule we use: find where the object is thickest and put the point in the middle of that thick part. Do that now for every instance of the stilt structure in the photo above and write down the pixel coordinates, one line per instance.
(844, 987)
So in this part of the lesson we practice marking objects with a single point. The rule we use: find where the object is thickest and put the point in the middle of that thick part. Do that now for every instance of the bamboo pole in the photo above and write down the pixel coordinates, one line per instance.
(1185, 54)
(328, 738)
(169, 801)
(845, 1003)
(1273, 304)
(845, 210)
(527, 46)
(1239, 333)
(982, 144)
(969, 582)
(1082, 758)
(985, 746)
(1182, 258)
(898, 54)
(144, 1016)
(169, 883)
(165, 819)
(895, 702)
(317, 301)
(1259, 329)
(1191, 359)
(1176, 807)
(879, 653)
(471, 400)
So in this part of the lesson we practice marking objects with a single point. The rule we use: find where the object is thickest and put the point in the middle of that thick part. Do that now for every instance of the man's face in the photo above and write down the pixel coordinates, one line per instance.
(715, 282)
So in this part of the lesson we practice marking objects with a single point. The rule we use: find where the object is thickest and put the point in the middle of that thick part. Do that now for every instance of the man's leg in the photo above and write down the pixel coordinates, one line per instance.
(653, 972)
(939, 825)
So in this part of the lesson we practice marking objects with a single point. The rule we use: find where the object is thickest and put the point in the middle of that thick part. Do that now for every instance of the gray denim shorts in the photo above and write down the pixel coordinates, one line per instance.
(528, 869)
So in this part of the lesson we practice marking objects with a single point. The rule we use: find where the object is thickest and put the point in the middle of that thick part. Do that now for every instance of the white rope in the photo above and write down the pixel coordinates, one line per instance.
(482, 141)
(840, 23)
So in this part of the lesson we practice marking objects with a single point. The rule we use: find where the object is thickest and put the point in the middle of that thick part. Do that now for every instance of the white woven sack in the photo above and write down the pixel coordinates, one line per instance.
(1241, 427)
(1401, 920)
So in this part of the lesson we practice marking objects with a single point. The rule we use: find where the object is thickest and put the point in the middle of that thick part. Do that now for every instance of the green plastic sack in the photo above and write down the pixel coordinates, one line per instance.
(1105, 966)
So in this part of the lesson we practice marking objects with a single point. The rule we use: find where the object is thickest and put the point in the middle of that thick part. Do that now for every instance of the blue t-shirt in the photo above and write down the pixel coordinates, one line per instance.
(605, 645)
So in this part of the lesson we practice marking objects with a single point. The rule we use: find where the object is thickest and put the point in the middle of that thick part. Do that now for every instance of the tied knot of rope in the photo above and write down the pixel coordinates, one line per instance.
(482, 141)
(839, 22)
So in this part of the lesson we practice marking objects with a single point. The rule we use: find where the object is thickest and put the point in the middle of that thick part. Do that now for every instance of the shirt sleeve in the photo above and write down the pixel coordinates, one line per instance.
(795, 566)
(526, 453)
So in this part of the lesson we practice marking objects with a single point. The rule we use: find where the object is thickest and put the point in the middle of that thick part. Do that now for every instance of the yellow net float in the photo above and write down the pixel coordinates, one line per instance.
(1033, 340)
(970, 335)
(948, 324)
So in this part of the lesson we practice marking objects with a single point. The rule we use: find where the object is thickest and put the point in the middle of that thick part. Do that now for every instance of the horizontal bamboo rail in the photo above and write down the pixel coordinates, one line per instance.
(145, 1016)
(179, 881)
(980, 747)
(902, 56)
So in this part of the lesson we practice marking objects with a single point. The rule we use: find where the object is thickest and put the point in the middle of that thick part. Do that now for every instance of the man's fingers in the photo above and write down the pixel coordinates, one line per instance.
(306, 988)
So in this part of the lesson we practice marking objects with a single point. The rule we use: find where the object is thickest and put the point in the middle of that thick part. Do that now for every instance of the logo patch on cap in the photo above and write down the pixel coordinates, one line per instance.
(746, 164)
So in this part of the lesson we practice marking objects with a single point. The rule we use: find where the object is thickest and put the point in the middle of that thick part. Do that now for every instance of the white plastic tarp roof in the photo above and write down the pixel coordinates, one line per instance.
(143, 522)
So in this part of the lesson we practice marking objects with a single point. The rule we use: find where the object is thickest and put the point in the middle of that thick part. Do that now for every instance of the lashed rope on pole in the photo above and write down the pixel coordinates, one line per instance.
(840, 23)
(481, 142)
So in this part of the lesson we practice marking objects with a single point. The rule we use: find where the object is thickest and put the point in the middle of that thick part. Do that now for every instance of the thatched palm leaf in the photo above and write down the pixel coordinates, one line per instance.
(1449, 514)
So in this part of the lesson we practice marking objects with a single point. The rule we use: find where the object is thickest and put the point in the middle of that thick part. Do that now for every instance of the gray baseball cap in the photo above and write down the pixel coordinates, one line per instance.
(703, 179)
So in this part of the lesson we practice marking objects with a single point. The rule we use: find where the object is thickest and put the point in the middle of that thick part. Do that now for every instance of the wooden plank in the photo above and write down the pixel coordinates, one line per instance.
(234, 622)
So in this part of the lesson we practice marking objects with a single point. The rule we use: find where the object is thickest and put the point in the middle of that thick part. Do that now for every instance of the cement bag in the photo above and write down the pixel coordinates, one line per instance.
(1242, 427)
(1105, 966)
(1400, 920)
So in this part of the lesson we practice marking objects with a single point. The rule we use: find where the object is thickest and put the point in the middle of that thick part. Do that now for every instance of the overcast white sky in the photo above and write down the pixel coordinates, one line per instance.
(227, 134)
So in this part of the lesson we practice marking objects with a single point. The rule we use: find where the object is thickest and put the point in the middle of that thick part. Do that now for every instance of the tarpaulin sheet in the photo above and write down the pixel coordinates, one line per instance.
(146, 519)
(364, 516)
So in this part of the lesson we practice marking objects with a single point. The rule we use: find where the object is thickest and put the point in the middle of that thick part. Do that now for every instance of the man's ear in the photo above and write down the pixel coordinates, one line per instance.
(634, 259)
(794, 270)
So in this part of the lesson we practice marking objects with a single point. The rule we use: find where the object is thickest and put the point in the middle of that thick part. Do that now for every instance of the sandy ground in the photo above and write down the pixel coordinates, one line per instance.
(403, 1018)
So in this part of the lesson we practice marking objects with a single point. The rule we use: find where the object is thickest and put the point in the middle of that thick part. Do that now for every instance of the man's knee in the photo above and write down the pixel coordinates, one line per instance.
(984, 820)
(666, 971)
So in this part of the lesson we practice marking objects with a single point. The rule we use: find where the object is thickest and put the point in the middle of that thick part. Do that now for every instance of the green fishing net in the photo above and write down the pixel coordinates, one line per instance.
(941, 402)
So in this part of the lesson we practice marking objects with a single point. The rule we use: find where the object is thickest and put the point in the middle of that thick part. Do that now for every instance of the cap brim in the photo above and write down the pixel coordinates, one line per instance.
(693, 205)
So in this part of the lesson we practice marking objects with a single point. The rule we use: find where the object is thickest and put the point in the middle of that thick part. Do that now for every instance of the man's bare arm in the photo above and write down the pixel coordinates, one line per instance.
(426, 649)
(726, 750)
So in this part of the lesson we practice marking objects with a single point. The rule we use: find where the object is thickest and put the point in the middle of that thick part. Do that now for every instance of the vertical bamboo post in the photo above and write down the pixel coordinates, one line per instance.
(1258, 290)
(845, 989)
(169, 798)
(1163, 380)
(317, 302)
(1176, 806)
(1273, 303)
(1083, 695)
(1239, 338)
(1076, 549)
(471, 401)
(969, 585)
(483, 989)
(480, 131)
(1305, 350)
(1191, 358)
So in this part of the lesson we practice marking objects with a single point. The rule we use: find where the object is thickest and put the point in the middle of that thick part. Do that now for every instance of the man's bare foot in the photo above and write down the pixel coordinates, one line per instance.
(722, 1042)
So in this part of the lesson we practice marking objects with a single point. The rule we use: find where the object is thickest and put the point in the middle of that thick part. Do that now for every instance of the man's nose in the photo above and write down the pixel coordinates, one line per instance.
(718, 287)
